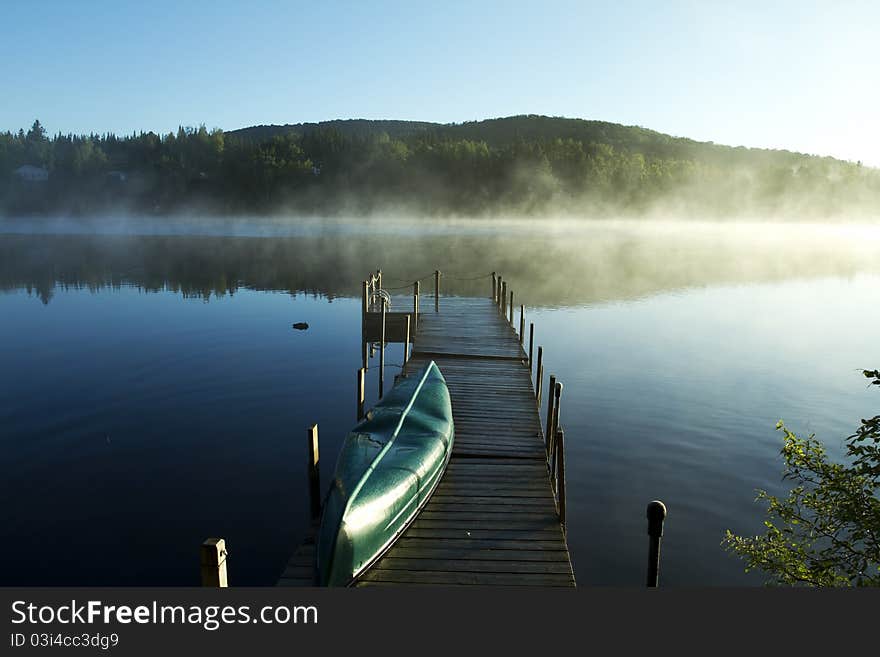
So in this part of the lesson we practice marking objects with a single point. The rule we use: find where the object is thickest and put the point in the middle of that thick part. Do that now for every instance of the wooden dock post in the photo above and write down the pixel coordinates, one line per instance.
(213, 558)
(548, 432)
(360, 394)
(406, 340)
(365, 307)
(522, 324)
(382, 353)
(510, 308)
(560, 475)
(656, 513)
(314, 471)
(504, 299)
(436, 290)
(494, 293)
(416, 306)
(531, 343)
(557, 393)
(539, 376)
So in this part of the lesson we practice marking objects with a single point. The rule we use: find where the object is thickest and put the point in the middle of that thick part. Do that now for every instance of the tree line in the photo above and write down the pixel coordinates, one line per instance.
(516, 166)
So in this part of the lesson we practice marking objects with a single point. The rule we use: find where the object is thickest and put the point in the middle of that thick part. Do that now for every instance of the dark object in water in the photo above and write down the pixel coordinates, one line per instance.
(301, 326)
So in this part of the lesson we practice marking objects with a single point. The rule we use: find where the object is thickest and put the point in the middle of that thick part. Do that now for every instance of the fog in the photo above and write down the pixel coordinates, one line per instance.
(548, 263)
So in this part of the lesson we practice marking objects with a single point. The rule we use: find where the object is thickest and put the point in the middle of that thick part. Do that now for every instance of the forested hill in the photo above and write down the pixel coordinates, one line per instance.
(501, 132)
(347, 127)
(522, 165)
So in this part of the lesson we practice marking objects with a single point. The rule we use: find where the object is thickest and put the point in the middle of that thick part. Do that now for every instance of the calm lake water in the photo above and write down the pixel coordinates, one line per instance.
(153, 392)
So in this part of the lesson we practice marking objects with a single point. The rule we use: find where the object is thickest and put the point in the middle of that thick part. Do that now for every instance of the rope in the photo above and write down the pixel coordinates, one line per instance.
(412, 280)
(442, 276)
(459, 278)
(402, 287)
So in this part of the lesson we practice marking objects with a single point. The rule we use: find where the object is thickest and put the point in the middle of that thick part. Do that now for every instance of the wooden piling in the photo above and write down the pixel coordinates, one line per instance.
(415, 306)
(560, 475)
(504, 299)
(656, 513)
(213, 559)
(360, 394)
(406, 340)
(556, 391)
(510, 309)
(314, 471)
(548, 432)
(365, 307)
(531, 343)
(494, 293)
(382, 353)
(539, 375)
(436, 290)
(522, 324)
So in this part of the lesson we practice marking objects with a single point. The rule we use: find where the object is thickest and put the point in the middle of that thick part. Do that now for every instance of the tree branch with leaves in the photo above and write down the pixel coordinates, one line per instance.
(826, 532)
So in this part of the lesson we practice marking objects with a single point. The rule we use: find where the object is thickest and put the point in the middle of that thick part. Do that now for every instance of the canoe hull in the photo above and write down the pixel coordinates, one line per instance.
(387, 469)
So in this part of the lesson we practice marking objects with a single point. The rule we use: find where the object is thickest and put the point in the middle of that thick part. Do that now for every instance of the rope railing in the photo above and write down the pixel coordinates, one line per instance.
(408, 286)
(452, 277)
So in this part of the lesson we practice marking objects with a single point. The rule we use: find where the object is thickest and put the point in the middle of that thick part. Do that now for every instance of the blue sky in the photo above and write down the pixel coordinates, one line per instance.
(797, 75)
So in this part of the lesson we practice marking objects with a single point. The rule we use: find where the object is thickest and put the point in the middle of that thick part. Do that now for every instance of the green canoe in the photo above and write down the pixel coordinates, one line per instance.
(387, 469)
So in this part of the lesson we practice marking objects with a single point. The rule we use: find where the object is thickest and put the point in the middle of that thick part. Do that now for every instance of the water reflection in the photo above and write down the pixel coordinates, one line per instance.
(558, 265)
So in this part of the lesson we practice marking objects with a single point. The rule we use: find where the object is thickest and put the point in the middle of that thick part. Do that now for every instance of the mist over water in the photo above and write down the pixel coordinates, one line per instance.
(559, 262)
(149, 366)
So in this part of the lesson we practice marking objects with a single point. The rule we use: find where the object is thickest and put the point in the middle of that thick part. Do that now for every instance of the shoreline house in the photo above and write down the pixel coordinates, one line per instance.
(32, 174)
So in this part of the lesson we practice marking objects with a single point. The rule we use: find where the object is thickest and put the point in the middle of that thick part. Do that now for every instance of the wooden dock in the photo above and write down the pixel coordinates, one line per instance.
(497, 516)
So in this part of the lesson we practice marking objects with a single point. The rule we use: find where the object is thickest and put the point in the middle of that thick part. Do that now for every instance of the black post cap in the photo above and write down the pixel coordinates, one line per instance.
(656, 515)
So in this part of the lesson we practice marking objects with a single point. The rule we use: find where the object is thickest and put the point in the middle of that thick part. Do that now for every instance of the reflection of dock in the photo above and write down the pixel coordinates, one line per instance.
(498, 515)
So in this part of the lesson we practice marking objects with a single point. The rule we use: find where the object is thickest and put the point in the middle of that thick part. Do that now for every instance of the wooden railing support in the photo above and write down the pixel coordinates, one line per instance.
(539, 376)
(522, 324)
(555, 391)
(415, 306)
(531, 343)
(560, 475)
(548, 432)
